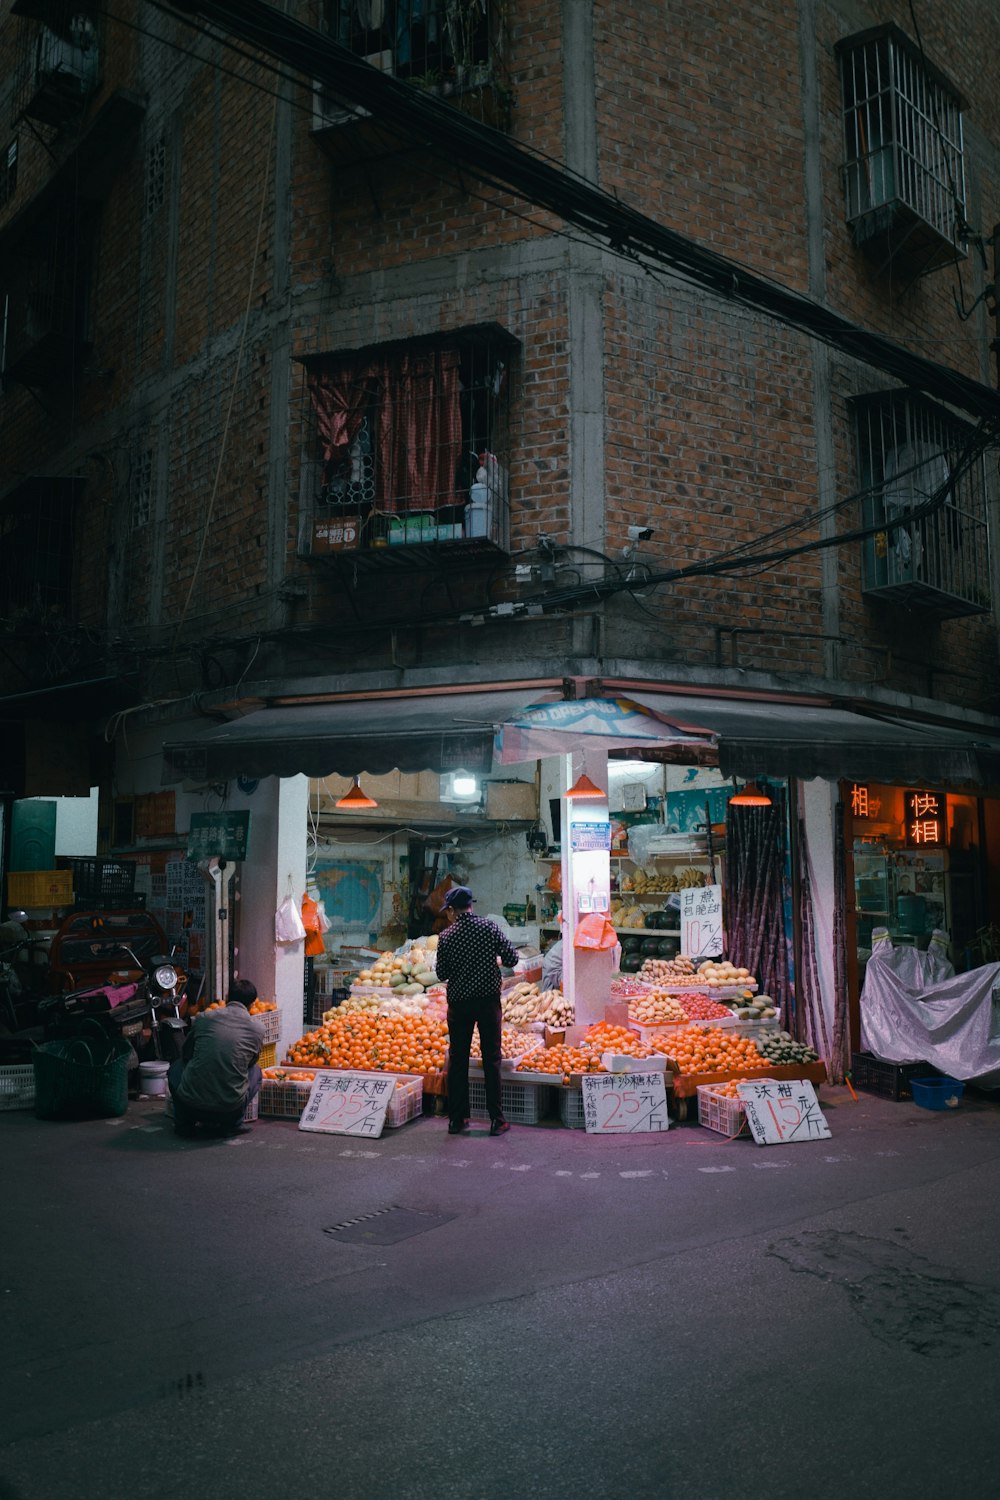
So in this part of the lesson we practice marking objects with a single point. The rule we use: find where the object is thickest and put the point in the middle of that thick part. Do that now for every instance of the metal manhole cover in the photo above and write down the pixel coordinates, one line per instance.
(386, 1226)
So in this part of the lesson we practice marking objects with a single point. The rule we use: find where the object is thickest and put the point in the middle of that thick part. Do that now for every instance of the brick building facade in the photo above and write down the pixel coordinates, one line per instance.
(199, 236)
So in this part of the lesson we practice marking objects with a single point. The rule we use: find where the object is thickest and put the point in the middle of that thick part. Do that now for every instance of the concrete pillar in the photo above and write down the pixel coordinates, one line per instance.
(276, 866)
(817, 805)
(586, 972)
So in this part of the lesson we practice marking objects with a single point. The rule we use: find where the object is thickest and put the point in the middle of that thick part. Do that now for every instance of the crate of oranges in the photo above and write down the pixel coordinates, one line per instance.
(721, 1108)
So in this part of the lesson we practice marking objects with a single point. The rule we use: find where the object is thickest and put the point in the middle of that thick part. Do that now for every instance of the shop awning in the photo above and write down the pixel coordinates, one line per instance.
(439, 732)
(764, 738)
(452, 731)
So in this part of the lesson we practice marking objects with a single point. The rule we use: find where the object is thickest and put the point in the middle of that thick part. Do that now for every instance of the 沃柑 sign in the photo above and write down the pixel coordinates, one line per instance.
(780, 1112)
(225, 835)
(701, 921)
(624, 1103)
(348, 1104)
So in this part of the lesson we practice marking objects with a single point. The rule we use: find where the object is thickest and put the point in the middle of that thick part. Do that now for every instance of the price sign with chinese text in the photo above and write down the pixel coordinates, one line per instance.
(701, 921)
(348, 1104)
(584, 836)
(624, 1103)
(781, 1113)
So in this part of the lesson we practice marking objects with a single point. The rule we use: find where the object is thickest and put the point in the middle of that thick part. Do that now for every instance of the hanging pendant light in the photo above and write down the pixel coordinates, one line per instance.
(751, 796)
(584, 787)
(355, 798)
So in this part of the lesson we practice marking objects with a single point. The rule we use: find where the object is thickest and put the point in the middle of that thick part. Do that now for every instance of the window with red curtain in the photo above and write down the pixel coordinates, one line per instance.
(391, 429)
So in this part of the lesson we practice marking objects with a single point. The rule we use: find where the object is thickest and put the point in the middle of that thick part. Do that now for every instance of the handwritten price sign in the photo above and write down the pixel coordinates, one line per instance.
(348, 1104)
(624, 1103)
(701, 921)
(782, 1112)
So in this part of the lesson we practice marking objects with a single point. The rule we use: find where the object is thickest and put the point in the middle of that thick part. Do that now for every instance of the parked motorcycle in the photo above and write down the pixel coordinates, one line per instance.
(144, 998)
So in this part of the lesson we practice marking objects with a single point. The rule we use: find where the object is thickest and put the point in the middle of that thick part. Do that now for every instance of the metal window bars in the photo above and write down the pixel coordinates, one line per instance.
(904, 157)
(929, 501)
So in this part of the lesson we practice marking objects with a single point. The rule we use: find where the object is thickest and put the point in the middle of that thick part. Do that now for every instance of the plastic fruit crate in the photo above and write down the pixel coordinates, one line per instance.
(39, 888)
(937, 1093)
(522, 1103)
(284, 1099)
(271, 1022)
(888, 1080)
(719, 1112)
(107, 880)
(571, 1108)
(17, 1086)
(406, 1104)
(268, 1055)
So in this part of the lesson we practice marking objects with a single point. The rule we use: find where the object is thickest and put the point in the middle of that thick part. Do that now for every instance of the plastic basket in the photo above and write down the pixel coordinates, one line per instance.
(268, 1055)
(252, 1108)
(107, 880)
(522, 1103)
(719, 1112)
(888, 1080)
(81, 1079)
(284, 1098)
(571, 1108)
(17, 1086)
(271, 1022)
(937, 1093)
(35, 888)
(406, 1103)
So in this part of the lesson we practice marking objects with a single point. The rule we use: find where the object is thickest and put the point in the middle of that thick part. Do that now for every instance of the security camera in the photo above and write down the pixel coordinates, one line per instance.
(640, 533)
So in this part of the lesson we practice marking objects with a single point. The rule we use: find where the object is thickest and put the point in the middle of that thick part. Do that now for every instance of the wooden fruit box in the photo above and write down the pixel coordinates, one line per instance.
(685, 1085)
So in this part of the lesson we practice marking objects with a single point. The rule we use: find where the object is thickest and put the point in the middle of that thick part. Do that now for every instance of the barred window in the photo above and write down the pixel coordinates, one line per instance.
(904, 165)
(923, 479)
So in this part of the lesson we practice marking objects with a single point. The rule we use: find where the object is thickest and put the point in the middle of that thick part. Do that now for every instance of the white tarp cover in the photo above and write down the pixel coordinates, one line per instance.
(915, 1008)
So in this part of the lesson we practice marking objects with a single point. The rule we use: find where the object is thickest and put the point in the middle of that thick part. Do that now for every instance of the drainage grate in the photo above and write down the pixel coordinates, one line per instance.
(386, 1226)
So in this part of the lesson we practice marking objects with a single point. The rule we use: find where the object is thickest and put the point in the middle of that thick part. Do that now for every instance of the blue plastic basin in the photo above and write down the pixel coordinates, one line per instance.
(937, 1093)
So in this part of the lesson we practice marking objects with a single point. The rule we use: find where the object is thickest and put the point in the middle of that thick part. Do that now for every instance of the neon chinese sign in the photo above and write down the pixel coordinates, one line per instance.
(926, 819)
(863, 803)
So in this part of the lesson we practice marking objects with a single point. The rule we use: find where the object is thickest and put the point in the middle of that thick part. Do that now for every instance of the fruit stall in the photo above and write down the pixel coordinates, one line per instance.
(704, 1026)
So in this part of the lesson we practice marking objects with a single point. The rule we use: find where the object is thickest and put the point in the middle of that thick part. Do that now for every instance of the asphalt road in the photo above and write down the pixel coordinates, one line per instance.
(680, 1317)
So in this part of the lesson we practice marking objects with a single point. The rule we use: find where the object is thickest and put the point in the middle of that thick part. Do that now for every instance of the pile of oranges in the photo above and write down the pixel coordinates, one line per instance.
(369, 1043)
(604, 1037)
(709, 1051)
(561, 1060)
(256, 1009)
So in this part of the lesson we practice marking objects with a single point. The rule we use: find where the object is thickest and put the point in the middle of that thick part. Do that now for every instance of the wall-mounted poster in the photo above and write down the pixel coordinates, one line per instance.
(351, 891)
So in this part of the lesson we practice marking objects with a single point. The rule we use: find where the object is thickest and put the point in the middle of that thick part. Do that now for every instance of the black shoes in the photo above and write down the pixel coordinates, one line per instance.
(499, 1127)
(456, 1127)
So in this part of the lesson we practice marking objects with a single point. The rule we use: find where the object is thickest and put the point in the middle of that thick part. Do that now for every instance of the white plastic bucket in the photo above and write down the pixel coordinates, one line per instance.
(153, 1079)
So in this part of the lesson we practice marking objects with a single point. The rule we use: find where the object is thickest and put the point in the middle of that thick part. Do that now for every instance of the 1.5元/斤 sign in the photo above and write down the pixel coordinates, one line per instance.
(783, 1112)
(225, 835)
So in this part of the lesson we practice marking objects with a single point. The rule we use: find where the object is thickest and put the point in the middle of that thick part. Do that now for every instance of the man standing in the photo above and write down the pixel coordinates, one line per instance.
(467, 956)
(218, 1074)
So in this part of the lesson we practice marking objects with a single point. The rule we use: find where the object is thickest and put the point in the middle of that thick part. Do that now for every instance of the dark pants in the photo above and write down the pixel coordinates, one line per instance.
(187, 1116)
(462, 1019)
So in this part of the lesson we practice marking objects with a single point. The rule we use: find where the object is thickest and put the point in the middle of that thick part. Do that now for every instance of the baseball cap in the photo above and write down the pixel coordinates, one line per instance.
(459, 897)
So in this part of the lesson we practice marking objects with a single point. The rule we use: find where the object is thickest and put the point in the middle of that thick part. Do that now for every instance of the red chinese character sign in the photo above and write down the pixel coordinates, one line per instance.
(926, 815)
(781, 1113)
(348, 1104)
(624, 1103)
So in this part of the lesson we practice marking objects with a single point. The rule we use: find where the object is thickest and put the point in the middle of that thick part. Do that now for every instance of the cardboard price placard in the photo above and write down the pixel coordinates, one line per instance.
(348, 1104)
(783, 1112)
(624, 1103)
(701, 921)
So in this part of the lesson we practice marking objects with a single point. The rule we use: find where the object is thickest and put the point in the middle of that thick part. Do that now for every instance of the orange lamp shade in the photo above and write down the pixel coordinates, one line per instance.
(751, 796)
(355, 798)
(584, 787)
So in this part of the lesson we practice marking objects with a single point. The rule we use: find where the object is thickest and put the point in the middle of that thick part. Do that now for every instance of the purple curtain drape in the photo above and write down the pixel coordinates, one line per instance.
(418, 423)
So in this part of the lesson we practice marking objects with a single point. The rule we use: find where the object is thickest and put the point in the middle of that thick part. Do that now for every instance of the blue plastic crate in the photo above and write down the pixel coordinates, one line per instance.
(937, 1093)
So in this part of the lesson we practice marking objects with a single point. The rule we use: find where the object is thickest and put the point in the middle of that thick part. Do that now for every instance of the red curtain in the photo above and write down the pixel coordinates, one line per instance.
(418, 423)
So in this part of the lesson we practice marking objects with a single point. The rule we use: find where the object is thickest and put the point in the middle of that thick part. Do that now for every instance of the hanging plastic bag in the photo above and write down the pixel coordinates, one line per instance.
(310, 921)
(288, 926)
(595, 931)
